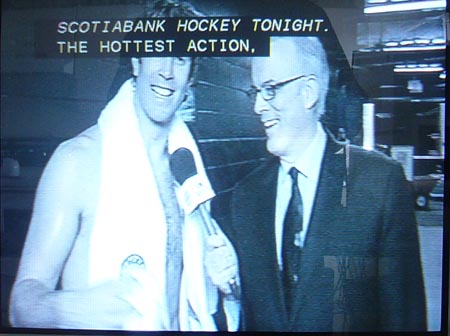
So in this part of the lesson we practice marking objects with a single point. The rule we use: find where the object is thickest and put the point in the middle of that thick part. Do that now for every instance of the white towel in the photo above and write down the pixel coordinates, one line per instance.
(130, 221)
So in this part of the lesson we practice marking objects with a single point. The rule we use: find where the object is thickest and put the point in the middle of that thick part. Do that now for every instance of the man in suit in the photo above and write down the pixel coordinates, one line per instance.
(337, 250)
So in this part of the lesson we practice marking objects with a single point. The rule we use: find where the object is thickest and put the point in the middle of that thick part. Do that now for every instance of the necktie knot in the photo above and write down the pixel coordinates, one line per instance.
(294, 174)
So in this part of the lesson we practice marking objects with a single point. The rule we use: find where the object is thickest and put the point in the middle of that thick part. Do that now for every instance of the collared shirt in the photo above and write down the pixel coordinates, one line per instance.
(308, 164)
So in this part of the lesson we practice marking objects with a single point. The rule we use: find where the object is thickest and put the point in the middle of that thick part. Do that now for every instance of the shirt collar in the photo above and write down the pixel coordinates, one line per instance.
(308, 163)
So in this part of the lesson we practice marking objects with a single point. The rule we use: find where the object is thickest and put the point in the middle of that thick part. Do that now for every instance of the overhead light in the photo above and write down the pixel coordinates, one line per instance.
(416, 48)
(421, 41)
(406, 6)
(419, 68)
(443, 75)
(417, 44)
(439, 40)
(391, 44)
(366, 50)
(406, 42)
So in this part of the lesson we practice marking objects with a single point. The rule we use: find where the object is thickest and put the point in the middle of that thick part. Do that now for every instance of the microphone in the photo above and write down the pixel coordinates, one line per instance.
(182, 165)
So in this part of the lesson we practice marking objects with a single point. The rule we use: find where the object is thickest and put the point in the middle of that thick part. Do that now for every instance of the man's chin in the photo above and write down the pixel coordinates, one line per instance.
(272, 148)
(164, 122)
(280, 149)
(162, 117)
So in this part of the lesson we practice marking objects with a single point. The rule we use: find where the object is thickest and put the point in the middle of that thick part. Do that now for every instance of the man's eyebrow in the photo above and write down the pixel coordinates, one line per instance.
(269, 81)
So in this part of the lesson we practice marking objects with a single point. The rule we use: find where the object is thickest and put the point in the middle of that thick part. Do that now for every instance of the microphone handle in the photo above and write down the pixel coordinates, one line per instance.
(210, 228)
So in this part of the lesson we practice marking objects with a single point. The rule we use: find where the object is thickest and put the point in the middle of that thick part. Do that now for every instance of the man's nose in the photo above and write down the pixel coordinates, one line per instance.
(166, 68)
(261, 105)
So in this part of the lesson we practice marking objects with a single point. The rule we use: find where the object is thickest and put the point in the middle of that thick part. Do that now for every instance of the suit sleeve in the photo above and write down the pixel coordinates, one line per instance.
(401, 288)
(221, 212)
(228, 316)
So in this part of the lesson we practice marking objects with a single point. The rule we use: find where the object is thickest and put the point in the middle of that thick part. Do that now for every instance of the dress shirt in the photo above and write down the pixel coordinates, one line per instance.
(308, 164)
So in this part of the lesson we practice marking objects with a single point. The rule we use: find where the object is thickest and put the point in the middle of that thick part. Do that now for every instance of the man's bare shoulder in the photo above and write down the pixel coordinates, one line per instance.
(85, 145)
(72, 174)
(75, 160)
(80, 152)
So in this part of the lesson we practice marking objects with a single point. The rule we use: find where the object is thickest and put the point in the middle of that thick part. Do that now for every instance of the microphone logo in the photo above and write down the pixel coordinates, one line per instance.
(192, 190)
(131, 264)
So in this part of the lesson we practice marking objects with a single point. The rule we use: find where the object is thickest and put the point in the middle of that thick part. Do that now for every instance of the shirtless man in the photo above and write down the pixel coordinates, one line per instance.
(106, 247)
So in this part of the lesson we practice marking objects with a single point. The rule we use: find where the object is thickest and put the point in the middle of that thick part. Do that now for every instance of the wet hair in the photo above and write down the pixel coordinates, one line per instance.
(169, 9)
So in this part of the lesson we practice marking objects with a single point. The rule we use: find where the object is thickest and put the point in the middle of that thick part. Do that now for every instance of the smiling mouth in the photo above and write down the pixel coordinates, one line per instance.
(162, 91)
(270, 123)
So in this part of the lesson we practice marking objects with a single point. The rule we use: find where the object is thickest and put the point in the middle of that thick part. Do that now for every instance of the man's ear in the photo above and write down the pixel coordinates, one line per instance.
(311, 92)
(135, 65)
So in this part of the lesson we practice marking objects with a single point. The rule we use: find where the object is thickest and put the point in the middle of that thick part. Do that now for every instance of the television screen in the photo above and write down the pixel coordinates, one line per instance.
(223, 165)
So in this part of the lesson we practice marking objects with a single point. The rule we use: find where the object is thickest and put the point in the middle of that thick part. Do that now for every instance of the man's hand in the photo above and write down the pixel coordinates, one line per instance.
(115, 305)
(103, 307)
(221, 264)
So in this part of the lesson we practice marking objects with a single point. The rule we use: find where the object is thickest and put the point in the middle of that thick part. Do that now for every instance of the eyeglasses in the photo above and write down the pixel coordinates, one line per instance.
(268, 90)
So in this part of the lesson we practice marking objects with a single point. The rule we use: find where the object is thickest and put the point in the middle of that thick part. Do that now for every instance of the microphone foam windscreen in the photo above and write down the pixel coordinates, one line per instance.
(182, 165)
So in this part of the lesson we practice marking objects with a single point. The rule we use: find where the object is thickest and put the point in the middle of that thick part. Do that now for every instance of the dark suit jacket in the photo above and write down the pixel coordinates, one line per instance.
(360, 267)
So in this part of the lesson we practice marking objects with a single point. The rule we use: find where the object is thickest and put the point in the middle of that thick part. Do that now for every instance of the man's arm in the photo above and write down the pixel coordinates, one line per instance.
(401, 288)
(222, 265)
(57, 216)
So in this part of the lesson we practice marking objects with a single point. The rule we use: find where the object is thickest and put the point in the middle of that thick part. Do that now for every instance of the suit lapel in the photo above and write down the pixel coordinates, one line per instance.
(257, 218)
(325, 213)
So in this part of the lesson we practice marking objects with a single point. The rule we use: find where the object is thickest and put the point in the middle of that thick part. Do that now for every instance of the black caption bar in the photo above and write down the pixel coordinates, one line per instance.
(176, 37)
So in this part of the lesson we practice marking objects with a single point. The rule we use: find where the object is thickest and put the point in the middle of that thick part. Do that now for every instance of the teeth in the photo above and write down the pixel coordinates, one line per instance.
(162, 91)
(270, 123)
